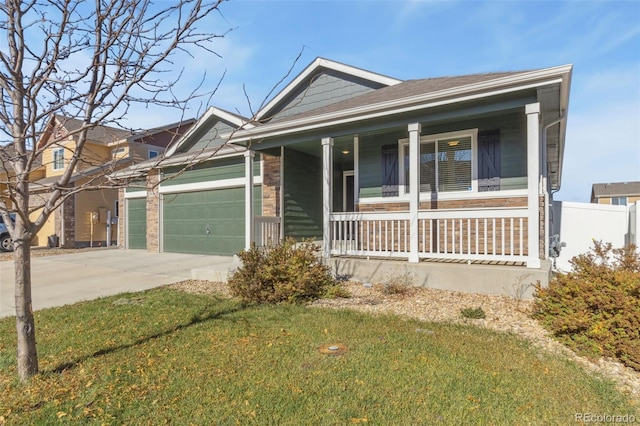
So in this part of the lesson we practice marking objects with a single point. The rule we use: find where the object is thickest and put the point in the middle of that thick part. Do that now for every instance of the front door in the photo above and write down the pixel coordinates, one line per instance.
(348, 196)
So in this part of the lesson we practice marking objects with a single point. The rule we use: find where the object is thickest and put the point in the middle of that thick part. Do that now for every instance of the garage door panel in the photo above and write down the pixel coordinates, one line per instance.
(188, 216)
(137, 223)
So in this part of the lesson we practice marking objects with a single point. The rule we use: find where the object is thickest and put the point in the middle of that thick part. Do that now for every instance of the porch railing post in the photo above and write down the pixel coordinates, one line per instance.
(533, 178)
(248, 199)
(327, 160)
(414, 193)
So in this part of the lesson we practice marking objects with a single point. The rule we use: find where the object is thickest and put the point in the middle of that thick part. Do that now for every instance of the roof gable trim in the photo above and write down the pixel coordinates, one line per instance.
(212, 112)
(472, 91)
(316, 65)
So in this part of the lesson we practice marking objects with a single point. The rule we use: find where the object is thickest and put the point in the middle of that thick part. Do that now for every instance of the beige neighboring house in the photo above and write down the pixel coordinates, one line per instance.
(86, 218)
(617, 193)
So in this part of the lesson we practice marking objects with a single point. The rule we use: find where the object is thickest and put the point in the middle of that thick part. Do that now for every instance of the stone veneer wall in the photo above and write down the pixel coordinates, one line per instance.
(153, 211)
(121, 218)
(270, 185)
(66, 215)
(543, 250)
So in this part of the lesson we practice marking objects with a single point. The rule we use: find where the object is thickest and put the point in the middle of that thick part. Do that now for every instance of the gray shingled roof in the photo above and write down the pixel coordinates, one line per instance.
(616, 189)
(404, 90)
(8, 151)
(99, 134)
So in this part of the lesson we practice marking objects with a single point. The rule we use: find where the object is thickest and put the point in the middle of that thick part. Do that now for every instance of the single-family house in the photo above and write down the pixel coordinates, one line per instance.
(449, 172)
(85, 218)
(615, 194)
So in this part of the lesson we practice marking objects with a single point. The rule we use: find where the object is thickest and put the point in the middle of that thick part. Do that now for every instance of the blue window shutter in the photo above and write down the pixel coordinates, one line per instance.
(390, 174)
(489, 160)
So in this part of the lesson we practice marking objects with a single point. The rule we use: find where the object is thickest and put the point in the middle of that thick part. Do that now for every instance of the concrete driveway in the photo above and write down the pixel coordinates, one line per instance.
(69, 278)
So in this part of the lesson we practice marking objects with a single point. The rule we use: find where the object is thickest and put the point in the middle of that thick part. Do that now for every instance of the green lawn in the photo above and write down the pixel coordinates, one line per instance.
(165, 356)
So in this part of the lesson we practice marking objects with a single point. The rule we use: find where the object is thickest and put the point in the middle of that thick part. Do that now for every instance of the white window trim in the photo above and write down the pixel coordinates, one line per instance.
(470, 133)
(54, 166)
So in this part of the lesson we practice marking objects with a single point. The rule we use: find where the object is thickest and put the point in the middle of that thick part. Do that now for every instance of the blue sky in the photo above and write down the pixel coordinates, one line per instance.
(420, 39)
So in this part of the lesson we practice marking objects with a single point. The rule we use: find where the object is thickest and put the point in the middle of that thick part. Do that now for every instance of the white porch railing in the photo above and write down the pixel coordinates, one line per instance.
(464, 234)
(266, 230)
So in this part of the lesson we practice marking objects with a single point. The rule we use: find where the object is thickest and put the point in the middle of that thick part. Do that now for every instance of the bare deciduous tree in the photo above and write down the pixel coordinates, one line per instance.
(90, 61)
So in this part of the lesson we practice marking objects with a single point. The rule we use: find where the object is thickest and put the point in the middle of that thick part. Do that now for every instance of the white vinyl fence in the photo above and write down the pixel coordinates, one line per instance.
(578, 224)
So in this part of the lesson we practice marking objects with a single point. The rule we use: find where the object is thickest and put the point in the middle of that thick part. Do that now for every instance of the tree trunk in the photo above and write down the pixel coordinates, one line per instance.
(25, 326)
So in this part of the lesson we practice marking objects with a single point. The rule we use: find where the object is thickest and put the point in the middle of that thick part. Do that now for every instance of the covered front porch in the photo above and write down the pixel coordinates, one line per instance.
(469, 209)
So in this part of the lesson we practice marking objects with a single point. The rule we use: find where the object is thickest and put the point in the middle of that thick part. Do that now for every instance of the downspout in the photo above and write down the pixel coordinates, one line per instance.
(544, 180)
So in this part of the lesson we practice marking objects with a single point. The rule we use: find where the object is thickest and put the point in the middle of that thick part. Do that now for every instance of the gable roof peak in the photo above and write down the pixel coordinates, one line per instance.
(215, 114)
(316, 66)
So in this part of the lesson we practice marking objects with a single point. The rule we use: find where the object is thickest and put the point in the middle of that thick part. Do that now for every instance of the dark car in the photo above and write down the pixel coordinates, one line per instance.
(6, 243)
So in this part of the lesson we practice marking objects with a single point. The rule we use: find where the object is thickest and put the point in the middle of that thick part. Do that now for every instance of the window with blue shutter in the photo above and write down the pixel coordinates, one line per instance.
(489, 160)
(390, 176)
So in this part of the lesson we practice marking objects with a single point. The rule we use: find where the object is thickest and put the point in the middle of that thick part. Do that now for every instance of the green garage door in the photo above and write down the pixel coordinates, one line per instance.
(137, 223)
(205, 222)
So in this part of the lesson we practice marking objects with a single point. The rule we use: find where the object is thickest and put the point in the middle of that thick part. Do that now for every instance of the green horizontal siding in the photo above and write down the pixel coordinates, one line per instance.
(216, 170)
(302, 195)
(136, 186)
(227, 168)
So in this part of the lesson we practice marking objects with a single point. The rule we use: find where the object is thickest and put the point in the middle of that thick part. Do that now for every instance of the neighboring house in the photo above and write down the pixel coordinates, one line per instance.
(616, 194)
(85, 217)
(7, 174)
(7, 152)
(453, 169)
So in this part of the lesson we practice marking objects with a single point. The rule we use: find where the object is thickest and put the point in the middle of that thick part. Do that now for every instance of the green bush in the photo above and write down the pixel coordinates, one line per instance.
(473, 313)
(595, 309)
(337, 291)
(289, 272)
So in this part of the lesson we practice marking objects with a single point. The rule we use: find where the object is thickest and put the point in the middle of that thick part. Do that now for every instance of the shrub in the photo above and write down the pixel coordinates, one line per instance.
(399, 284)
(337, 291)
(473, 313)
(286, 273)
(595, 309)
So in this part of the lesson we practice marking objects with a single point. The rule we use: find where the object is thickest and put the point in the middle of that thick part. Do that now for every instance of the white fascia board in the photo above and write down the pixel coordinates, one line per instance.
(382, 109)
(135, 194)
(325, 63)
(210, 113)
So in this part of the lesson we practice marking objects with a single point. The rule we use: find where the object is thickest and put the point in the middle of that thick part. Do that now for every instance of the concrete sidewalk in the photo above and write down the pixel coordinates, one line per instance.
(69, 278)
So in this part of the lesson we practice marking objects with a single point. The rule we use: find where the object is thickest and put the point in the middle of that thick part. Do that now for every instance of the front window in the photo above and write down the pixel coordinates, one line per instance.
(619, 201)
(58, 159)
(153, 154)
(117, 152)
(446, 164)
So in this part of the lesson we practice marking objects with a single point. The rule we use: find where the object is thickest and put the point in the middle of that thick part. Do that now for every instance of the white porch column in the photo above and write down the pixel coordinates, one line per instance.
(533, 184)
(414, 193)
(327, 166)
(248, 199)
